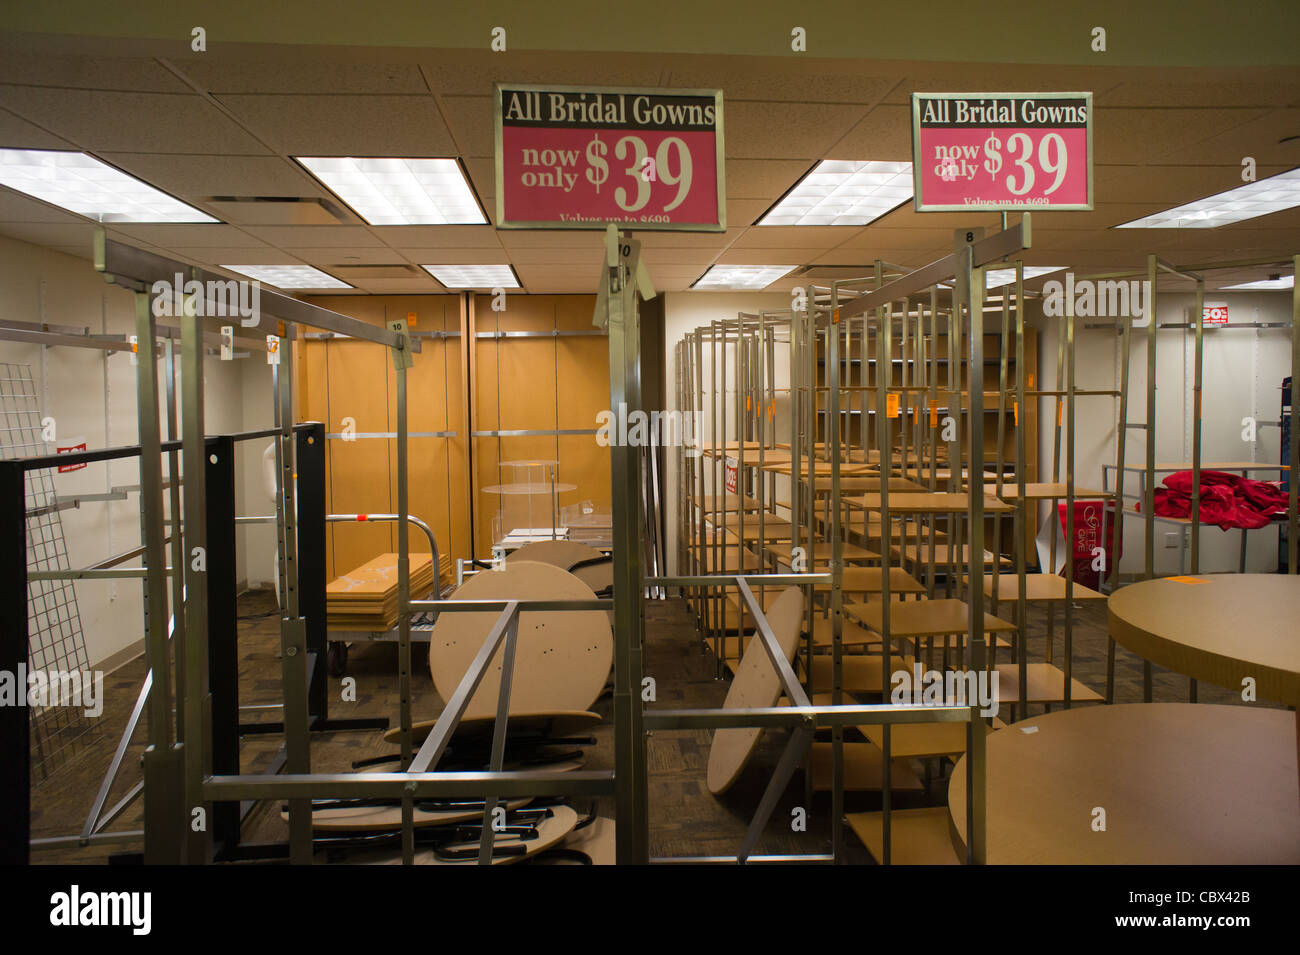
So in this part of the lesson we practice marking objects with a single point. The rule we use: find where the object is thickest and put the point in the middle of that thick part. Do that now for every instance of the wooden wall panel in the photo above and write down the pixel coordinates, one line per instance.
(356, 379)
(539, 384)
(536, 384)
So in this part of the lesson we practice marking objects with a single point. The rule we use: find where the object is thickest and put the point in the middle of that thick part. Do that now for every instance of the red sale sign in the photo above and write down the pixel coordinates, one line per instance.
(1214, 314)
(68, 447)
(579, 158)
(1001, 151)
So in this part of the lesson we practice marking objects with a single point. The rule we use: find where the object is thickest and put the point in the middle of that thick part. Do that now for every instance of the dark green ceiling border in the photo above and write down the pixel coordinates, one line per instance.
(1138, 32)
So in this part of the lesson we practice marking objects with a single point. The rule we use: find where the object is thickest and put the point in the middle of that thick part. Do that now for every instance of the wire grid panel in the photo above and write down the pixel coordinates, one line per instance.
(55, 641)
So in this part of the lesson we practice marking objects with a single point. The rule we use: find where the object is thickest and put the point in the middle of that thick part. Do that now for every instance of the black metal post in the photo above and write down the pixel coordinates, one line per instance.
(15, 727)
(311, 562)
(223, 631)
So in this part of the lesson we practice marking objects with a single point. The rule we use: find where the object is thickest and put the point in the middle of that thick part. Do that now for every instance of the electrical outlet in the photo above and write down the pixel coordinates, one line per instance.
(1171, 539)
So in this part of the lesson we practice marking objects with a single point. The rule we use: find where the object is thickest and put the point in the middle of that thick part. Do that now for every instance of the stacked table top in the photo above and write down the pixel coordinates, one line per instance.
(366, 598)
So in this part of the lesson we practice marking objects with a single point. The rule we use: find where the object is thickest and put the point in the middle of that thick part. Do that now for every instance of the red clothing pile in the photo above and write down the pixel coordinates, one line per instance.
(1227, 500)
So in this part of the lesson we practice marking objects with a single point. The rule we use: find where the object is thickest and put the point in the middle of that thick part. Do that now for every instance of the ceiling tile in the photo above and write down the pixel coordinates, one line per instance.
(194, 177)
(471, 121)
(692, 240)
(16, 207)
(1258, 138)
(138, 74)
(560, 238)
(1147, 135)
(17, 133)
(435, 236)
(463, 256)
(314, 237)
(678, 257)
(745, 212)
(259, 254)
(766, 179)
(786, 130)
(347, 255)
(52, 233)
(282, 75)
(885, 134)
(815, 82)
(413, 284)
(405, 126)
(132, 122)
(795, 237)
(192, 235)
(1224, 89)
(472, 72)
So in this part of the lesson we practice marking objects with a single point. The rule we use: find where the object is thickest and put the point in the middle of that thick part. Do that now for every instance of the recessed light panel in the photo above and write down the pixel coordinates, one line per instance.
(996, 278)
(88, 187)
(742, 277)
(400, 191)
(1244, 202)
(473, 276)
(844, 193)
(289, 276)
(1285, 282)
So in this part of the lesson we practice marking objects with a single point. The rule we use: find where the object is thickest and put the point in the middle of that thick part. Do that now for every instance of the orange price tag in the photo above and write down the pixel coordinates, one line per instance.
(934, 414)
(749, 402)
(1015, 410)
(771, 411)
(891, 406)
(411, 319)
(835, 317)
(1031, 379)
(1060, 413)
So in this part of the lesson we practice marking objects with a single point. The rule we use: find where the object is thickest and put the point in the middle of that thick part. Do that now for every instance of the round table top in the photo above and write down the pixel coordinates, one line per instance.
(562, 657)
(756, 684)
(1180, 783)
(1220, 628)
(529, 487)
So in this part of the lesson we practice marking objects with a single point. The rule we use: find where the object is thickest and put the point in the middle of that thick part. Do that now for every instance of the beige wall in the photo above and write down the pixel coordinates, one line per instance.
(92, 393)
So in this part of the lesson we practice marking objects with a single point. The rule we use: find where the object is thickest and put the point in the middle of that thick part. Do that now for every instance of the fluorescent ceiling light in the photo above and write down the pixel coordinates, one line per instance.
(1286, 281)
(88, 187)
(996, 278)
(1244, 202)
(289, 276)
(473, 276)
(743, 277)
(844, 193)
(400, 191)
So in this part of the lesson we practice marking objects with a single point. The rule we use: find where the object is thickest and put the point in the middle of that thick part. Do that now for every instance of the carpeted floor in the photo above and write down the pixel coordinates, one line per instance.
(685, 819)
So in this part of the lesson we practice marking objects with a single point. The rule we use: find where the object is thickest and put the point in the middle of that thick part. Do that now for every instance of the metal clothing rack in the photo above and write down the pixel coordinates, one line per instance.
(1195, 274)
(726, 374)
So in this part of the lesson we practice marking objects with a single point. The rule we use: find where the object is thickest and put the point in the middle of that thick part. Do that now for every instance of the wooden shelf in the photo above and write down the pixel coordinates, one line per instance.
(944, 552)
(1046, 684)
(916, 836)
(924, 740)
(1039, 588)
(923, 618)
(863, 768)
(870, 580)
(821, 552)
(860, 673)
(927, 503)
(1039, 491)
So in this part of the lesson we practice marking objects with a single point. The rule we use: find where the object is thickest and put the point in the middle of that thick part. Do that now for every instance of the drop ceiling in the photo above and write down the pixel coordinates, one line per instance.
(212, 128)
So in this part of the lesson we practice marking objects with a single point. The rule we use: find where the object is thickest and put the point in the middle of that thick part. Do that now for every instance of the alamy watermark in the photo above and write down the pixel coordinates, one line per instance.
(1092, 298)
(39, 689)
(232, 298)
(919, 687)
(642, 429)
